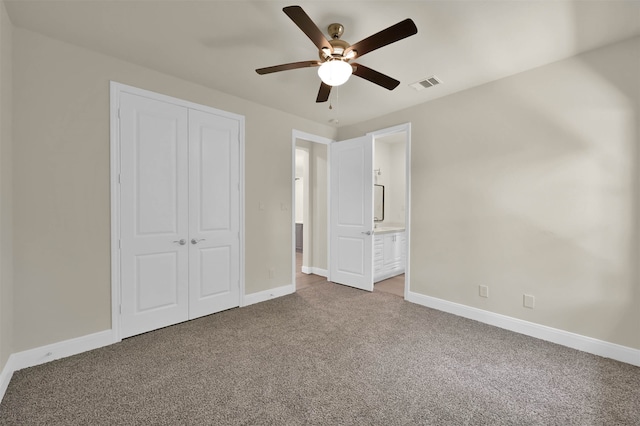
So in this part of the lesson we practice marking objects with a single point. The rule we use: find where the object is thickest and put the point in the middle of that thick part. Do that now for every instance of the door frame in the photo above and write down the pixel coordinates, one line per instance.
(405, 127)
(115, 90)
(295, 135)
(305, 201)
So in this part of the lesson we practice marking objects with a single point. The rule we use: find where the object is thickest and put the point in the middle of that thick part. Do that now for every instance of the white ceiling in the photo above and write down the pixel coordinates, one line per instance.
(219, 44)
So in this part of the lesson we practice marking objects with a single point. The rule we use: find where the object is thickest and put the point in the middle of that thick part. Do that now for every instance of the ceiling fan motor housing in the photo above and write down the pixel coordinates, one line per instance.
(335, 30)
(339, 46)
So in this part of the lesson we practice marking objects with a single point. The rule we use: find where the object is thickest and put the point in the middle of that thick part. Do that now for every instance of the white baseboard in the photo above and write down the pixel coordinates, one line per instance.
(554, 335)
(315, 271)
(261, 296)
(42, 354)
(5, 377)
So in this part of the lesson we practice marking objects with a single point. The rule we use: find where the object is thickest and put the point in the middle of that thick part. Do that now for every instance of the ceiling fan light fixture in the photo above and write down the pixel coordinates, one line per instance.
(335, 54)
(335, 72)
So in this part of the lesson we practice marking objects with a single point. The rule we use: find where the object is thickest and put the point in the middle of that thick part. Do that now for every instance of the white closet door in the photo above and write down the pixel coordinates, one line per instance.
(214, 213)
(154, 214)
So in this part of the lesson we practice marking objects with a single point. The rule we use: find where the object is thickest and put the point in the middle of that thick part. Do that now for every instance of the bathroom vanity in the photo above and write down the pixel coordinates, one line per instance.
(389, 253)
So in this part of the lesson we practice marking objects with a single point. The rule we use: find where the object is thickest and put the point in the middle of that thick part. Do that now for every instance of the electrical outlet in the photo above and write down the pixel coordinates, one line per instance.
(484, 291)
(529, 301)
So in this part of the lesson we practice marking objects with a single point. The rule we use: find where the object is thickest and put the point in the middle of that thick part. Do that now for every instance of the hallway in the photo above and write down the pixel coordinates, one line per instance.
(393, 285)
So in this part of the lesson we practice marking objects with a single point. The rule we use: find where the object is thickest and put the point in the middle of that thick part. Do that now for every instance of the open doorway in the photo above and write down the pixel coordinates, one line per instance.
(316, 230)
(310, 212)
(391, 209)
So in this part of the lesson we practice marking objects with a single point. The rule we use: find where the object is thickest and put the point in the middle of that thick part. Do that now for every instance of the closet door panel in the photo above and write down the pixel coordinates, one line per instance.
(215, 180)
(214, 200)
(215, 271)
(154, 214)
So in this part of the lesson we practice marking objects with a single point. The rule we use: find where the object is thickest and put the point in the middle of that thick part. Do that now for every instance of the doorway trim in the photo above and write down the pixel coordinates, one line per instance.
(295, 135)
(406, 127)
(115, 90)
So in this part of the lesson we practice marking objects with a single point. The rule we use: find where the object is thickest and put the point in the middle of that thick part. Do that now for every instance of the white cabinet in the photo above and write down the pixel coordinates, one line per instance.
(389, 254)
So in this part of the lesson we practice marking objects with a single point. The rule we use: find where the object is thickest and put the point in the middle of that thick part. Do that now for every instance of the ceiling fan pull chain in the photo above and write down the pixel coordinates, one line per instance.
(331, 96)
(334, 97)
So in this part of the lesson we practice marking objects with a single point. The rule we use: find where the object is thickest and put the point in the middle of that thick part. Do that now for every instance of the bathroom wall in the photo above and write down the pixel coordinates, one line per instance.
(389, 158)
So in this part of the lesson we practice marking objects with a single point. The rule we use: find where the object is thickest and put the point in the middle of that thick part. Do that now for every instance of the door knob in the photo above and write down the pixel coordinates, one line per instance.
(367, 233)
(196, 241)
(181, 242)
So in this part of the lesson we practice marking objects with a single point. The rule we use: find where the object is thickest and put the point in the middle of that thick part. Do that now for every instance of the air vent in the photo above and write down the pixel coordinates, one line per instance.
(426, 83)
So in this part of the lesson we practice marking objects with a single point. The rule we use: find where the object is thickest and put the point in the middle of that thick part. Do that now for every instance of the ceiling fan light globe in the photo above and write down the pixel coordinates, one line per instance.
(335, 73)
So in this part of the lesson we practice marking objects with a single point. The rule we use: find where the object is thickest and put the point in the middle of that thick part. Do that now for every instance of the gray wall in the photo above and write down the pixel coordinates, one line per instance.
(318, 165)
(530, 185)
(61, 185)
(316, 227)
(6, 239)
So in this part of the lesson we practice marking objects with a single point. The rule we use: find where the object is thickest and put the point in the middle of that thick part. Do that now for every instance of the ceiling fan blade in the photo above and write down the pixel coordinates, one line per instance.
(375, 77)
(302, 20)
(323, 93)
(387, 36)
(286, 67)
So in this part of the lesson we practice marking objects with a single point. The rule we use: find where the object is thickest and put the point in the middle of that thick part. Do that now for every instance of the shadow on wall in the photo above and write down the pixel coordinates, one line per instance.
(615, 71)
(622, 81)
(538, 192)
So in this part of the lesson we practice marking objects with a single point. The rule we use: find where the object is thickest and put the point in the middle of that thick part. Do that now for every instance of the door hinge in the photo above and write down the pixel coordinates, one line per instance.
(119, 244)
(120, 308)
(119, 178)
(118, 113)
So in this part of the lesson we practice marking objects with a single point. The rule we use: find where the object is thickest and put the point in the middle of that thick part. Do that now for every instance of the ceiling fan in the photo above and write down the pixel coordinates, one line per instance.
(336, 54)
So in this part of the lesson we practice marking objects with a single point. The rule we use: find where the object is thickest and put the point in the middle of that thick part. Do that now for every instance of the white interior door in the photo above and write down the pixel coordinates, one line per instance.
(214, 211)
(154, 214)
(351, 241)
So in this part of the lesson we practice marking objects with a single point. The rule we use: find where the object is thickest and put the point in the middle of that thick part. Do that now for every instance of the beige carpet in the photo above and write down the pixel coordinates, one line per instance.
(327, 355)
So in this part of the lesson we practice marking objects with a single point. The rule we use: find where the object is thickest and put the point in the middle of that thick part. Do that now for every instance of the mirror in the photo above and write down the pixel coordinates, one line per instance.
(378, 203)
